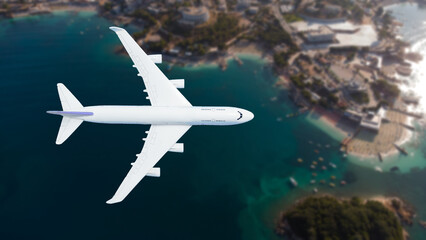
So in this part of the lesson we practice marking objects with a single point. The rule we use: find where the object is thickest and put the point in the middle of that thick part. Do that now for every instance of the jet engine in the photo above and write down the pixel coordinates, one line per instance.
(178, 147)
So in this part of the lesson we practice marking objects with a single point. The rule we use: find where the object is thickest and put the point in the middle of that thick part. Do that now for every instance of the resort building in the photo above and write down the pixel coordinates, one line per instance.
(332, 10)
(372, 121)
(356, 86)
(353, 115)
(253, 10)
(322, 35)
(194, 15)
(243, 4)
(286, 8)
(222, 6)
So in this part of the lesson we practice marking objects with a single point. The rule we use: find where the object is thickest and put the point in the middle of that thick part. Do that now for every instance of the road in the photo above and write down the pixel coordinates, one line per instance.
(275, 7)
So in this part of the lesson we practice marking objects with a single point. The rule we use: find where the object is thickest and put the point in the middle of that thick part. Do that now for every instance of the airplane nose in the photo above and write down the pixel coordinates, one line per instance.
(249, 116)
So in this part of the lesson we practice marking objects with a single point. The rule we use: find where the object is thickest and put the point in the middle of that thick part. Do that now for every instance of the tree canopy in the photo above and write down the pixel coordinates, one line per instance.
(326, 218)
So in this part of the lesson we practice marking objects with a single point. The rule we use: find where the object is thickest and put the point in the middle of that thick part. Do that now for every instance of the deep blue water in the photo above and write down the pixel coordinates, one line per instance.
(230, 183)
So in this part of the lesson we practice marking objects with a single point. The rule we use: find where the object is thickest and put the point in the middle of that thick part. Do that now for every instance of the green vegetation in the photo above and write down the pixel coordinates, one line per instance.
(107, 6)
(382, 88)
(281, 59)
(157, 46)
(291, 17)
(273, 35)
(360, 97)
(385, 32)
(5, 6)
(144, 15)
(298, 80)
(225, 28)
(326, 218)
(345, 4)
(199, 38)
(357, 14)
(140, 34)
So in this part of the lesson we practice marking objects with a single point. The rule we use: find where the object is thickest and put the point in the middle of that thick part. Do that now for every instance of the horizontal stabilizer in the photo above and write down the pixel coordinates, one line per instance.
(68, 126)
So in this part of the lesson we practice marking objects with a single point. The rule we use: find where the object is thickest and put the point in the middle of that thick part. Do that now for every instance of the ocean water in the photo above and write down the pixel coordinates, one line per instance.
(231, 182)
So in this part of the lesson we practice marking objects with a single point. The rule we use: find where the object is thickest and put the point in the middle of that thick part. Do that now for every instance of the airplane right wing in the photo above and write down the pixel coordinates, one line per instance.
(159, 140)
(161, 91)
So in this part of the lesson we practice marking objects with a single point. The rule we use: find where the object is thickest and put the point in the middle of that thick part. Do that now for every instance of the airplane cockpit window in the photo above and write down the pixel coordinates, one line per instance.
(241, 115)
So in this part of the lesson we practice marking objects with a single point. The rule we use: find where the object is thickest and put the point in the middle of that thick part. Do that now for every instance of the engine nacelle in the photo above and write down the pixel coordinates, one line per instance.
(154, 172)
(179, 83)
(178, 147)
(156, 58)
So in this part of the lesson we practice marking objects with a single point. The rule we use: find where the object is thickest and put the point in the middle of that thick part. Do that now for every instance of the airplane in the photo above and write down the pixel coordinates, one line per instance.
(170, 115)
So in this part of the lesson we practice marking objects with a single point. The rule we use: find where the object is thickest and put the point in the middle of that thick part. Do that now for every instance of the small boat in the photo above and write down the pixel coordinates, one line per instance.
(401, 149)
(310, 142)
(380, 156)
(315, 190)
(332, 165)
(322, 181)
(332, 185)
(327, 146)
(320, 159)
(318, 145)
(314, 163)
(333, 177)
(345, 155)
(395, 168)
(343, 182)
(324, 168)
(316, 151)
(293, 182)
(378, 169)
(299, 160)
(314, 174)
(313, 181)
(313, 166)
(279, 119)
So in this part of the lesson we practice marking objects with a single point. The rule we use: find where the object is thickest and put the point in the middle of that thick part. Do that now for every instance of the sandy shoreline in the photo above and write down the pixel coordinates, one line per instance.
(347, 128)
(58, 8)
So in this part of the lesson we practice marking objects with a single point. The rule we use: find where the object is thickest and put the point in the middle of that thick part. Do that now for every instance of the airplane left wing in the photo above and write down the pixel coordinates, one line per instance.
(159, 140)
(161, 92)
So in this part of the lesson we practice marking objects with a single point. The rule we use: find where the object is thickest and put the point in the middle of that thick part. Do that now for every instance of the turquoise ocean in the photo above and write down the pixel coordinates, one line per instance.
(231, 182)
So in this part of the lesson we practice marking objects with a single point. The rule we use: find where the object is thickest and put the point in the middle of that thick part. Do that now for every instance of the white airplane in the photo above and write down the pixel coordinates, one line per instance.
(170, 115)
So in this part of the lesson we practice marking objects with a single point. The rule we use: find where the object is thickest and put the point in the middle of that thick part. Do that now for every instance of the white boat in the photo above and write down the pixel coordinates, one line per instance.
(293, 182)
(378, 169)
(332, 165)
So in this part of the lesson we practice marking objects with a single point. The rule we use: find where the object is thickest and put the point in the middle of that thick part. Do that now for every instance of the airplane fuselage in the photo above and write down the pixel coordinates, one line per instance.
(161, 115)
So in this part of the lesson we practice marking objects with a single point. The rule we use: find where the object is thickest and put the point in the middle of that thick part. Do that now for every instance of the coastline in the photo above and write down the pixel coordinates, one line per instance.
(58, 8)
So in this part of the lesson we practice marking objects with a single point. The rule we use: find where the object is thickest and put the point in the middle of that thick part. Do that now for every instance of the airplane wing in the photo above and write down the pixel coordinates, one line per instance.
(161, 92)
(159, 140)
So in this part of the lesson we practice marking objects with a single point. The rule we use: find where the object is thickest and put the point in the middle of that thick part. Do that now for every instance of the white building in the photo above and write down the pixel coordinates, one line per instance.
(286, 8)
(331, 9)
(243, 4)
(322, 35)
(194, 15)
(373, 120)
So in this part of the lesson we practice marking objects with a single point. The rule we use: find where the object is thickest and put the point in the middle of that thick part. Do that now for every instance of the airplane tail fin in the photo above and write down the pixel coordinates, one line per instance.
(71, 108)
(68, 101)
